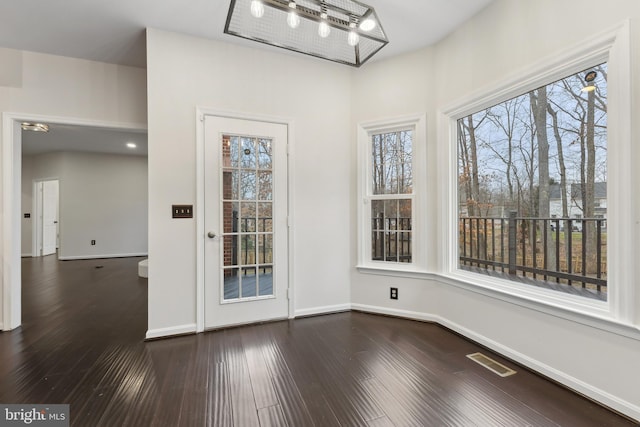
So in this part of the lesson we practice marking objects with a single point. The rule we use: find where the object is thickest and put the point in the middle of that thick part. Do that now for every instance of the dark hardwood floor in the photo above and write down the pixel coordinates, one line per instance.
(82, 343)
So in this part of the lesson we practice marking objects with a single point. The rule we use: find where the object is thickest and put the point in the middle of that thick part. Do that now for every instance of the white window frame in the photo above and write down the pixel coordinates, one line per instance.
(618, 312)
(417, 124)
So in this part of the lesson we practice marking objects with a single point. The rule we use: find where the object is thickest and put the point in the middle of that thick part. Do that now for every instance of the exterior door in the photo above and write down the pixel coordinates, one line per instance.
(246, 242)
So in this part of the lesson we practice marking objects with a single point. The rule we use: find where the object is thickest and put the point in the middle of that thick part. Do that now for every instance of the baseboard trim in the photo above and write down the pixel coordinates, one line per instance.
(74, 257)
(189, 328)
(327, 309)
(600, 396)
(413, 315)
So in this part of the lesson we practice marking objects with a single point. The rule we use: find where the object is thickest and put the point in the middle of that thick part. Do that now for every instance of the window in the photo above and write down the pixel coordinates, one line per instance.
(612, 50)
(392, 196)
(521, 163)
(390, 180)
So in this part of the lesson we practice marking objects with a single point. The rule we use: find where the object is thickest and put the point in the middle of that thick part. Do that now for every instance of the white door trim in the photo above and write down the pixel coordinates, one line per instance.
(11, 153)
(201, 112)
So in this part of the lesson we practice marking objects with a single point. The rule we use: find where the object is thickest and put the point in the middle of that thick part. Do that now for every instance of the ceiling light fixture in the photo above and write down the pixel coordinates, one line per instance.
(131, 145)
(257, 8)
(346, 31)
(293, 20)
(368, 25)
(35, 127)
(323, 28)
(353, 39)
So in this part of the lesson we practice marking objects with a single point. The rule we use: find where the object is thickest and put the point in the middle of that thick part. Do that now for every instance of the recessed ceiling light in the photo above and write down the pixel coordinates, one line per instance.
(131, 145)
(35, 127)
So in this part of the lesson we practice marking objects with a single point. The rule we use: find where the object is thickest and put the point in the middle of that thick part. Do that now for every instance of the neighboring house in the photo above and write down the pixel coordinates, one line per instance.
(574, 200)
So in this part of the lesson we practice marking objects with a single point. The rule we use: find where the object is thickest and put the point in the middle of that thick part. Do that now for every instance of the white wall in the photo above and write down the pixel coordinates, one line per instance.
(39, 84)
(491, 47)
(103, 197)
(185, 72)
(26, 224)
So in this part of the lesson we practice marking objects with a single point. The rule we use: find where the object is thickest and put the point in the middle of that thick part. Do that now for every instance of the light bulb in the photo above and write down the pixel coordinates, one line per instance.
(323, 28)
(367, 25)
(293, 20)
(353, 38)
(257, 8)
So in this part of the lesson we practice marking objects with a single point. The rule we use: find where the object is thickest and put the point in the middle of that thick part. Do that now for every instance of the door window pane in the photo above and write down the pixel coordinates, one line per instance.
(264, 153)
(247, 192)
(265, 217)
(265, 186)
(265, 280)
(248, 154)
(248, 185)
(231, 283)
(249, 282)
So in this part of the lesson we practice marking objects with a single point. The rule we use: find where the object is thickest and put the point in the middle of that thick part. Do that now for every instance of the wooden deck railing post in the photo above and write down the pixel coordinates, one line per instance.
(512, 242)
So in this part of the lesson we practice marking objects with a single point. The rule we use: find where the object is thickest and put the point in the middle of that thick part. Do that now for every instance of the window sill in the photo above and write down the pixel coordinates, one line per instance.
(407, 271)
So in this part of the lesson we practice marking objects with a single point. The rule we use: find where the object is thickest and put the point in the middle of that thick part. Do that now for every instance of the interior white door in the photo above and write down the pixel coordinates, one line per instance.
(246, 231)
(49, 216)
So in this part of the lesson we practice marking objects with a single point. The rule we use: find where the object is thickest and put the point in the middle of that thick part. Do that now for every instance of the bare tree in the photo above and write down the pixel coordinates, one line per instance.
(539, 104)
(563, 176)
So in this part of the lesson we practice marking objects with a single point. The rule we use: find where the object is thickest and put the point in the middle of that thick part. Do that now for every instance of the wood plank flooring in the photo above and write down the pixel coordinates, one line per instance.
(82, 343)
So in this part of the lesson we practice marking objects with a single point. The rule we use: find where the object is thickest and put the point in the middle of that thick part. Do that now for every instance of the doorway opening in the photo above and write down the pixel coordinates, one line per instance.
(23, 235)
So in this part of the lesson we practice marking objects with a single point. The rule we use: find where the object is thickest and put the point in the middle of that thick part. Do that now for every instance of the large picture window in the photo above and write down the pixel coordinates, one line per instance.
(532, 187)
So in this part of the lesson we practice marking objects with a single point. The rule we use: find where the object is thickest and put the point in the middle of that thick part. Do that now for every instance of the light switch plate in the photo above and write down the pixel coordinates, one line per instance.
(182, 211)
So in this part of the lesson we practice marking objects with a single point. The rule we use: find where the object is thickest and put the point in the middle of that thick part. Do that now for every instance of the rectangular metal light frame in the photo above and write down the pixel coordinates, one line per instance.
(335, 19)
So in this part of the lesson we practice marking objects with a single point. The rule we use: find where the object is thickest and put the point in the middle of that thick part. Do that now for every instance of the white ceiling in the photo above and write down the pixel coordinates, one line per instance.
(113, 30)
(85, 139)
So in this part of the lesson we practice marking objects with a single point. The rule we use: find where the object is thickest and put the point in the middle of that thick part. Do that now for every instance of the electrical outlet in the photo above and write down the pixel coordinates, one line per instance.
(394, 293)
(93, 243)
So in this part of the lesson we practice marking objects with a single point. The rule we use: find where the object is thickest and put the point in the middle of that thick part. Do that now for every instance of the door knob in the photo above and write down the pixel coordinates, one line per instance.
(211, 234)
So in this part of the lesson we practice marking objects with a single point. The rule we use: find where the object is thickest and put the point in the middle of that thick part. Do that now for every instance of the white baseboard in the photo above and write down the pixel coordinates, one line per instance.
(627, 408)
(414, 315)
(168, 332)
(323, 310)
(69, 258)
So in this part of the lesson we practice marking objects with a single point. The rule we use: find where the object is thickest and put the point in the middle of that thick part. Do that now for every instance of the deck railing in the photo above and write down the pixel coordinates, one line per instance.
(391, 239)
(563, 250)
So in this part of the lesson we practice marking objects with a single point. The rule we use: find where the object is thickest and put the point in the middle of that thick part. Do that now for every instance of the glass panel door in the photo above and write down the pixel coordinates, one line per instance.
(246, 226)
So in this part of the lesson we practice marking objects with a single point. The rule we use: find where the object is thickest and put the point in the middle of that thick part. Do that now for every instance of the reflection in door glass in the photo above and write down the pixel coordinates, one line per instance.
(231, 283)
(249, 282)
(265, 274)
(247, 178)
